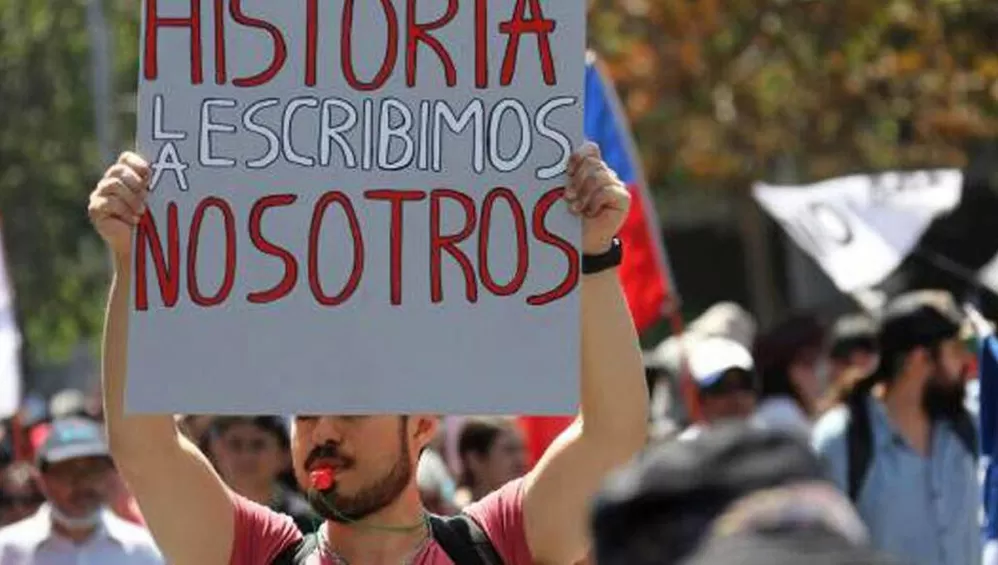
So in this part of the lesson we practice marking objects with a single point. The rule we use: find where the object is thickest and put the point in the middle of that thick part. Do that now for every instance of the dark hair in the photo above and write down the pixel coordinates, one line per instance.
(273, 425)
(477, 436)
(790, 342)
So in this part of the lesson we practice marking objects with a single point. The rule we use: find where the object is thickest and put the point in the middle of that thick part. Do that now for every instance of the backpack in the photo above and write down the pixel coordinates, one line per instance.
(460, 536)
(859, 439)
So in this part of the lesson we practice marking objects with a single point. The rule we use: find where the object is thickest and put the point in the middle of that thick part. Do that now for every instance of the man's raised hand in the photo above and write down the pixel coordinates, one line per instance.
(596, 193)
(119, 201)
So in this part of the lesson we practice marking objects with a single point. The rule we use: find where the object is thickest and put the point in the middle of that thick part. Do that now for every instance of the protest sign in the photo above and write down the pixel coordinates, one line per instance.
(356, 207)
(859, 228)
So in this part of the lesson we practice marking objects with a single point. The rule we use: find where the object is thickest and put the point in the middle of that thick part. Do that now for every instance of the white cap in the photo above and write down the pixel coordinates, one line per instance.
(710, 358)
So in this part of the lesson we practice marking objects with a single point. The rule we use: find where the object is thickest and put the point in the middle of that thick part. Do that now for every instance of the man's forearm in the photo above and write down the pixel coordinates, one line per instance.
(134, 431)
(614, 393)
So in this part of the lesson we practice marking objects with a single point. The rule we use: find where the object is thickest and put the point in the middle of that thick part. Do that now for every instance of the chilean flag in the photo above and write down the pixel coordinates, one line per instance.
(645, 273)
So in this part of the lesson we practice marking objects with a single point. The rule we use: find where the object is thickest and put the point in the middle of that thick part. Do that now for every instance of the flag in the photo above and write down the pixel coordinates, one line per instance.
(645, 273)
(10, 339)
(860, 228)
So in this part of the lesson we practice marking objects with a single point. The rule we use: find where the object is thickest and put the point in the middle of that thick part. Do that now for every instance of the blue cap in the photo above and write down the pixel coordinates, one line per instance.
(73, 438)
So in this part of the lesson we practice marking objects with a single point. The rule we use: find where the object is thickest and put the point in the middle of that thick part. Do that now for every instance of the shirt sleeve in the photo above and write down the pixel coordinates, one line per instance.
(260, 533)
(500, 514)
(829, 441)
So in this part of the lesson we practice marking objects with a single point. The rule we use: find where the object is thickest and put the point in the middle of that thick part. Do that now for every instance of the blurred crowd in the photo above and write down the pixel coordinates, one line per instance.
(829, 440)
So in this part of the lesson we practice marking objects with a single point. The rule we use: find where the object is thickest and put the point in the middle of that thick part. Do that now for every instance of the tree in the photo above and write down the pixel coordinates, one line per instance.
(719, 90)
(48, 162)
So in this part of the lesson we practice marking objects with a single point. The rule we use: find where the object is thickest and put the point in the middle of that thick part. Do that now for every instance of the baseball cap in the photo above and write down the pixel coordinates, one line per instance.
(712, 357)
(72, 438)
(665, 502)
(68, 403)
(915, 319)
(852, 331)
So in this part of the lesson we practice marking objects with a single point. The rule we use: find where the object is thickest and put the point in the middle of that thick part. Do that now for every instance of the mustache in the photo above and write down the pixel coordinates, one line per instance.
(329, 451)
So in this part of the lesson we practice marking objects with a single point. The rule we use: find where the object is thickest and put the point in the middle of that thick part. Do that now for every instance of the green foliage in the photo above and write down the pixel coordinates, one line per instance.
(719, 89)
(48, 163)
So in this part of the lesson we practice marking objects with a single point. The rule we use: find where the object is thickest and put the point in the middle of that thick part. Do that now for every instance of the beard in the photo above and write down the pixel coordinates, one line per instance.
(338, 507)
(942, 398)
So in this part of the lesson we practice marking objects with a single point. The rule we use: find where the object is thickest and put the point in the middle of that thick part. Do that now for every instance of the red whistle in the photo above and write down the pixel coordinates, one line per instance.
(322, 479)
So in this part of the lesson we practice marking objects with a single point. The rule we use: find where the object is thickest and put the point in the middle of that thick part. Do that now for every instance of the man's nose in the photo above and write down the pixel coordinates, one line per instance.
(328, 429)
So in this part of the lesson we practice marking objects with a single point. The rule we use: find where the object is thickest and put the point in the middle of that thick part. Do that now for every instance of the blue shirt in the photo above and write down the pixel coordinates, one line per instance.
(923, 510)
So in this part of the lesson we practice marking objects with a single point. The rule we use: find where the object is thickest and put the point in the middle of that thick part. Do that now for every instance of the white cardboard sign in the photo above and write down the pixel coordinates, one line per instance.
(356, 209)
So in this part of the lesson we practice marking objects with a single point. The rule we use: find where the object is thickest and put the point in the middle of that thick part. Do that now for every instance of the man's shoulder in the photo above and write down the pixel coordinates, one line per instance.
(261, 533)
(508, 497)
(500, 515)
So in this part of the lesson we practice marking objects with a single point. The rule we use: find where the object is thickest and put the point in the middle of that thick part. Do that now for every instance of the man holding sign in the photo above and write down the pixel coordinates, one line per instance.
(296, 216)
(361, 468)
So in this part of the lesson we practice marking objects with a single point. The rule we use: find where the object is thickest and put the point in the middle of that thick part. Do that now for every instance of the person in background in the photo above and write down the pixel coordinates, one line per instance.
(793, 370)
(250, 454)
(20, 495)
(492, 454)
(681, 500)
(908, 456)
(664, 365)
(853, 345)
(852, 353)
(727, 387)
(69, 403)
(74, 525)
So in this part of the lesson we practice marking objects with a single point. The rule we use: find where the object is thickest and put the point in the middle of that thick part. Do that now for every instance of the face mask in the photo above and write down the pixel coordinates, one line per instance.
(71, 523)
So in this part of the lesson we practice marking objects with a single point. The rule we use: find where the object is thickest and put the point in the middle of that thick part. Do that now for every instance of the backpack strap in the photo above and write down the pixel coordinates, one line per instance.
(464, 541)
(298, 553)
(859, 437)
(966, 431)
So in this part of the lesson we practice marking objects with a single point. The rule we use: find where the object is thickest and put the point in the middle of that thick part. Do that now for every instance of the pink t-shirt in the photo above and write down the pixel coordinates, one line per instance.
(262, 534)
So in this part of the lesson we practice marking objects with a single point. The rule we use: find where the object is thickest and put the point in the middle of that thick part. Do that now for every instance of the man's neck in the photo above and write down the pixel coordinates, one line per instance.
(77, 536)
(388, 537)
(903, 401)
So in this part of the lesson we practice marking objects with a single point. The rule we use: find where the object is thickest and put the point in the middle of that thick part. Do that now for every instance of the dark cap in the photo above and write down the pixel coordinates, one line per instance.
(72, 438)
(916, 319)
(667, 500)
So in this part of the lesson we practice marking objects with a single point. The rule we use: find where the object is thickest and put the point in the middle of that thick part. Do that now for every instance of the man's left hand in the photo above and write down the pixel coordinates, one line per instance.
(596, 194)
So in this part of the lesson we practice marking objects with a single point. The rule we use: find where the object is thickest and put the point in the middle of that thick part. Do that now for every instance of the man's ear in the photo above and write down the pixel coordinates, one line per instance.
(423, 429)
(917, 360)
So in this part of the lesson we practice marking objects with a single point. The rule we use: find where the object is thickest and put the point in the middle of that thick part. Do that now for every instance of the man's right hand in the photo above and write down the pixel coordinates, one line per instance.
(119, 201)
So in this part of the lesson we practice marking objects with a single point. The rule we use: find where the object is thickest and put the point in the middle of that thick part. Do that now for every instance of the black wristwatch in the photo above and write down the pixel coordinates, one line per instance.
(613, 257)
